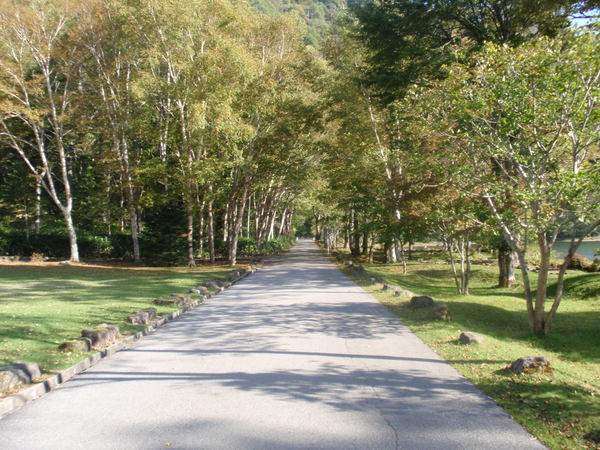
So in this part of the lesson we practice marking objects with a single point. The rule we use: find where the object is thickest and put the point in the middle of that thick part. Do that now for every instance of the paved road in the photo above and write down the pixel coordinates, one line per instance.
(295, 356)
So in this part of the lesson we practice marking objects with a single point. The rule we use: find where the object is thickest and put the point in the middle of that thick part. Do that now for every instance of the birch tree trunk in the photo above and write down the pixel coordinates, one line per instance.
(190, 233)
(236, 221)
(42, 104)
(211, 228)
(38, 205)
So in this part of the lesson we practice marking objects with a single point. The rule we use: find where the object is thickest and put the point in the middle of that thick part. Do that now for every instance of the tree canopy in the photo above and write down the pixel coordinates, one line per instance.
(172, 132)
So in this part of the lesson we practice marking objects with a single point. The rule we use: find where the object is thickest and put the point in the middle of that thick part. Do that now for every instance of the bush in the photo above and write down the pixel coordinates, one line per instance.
(273, 246)
(533, 257)
(160, 249)
(122, 246)
(37, 257)
(95, 247)
(56, 245)
(53, 245)
(156, 248)
(580, 262)
(246, 247)
(3, 244)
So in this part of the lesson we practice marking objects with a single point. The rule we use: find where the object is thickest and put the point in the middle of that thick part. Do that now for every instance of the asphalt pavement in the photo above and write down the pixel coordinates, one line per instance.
(295, 356)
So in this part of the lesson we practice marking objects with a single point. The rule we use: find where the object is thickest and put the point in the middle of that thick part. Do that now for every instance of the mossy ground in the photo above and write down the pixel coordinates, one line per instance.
(562, 410)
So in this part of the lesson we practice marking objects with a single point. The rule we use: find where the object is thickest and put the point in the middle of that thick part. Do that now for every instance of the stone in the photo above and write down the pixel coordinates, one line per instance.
(234, 276)
(174, 300)
(470, 337)
(212, 285)
(421, 301)
(402, 293)
(27, 371)
(78, 345)
(180, 299)
(166, 301)
(440, 312)
(144, 317)
(102, 336)
(8, 379)
(18, 374)
(183, 300)
(531, 364)
(397, 290)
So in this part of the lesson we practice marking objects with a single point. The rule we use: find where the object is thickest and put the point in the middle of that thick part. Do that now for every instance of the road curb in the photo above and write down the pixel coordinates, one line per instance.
(14, 402)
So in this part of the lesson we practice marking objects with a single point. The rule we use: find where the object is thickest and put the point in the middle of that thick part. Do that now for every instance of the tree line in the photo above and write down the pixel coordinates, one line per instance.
(206, 124)
(474, 123)
(185, 118)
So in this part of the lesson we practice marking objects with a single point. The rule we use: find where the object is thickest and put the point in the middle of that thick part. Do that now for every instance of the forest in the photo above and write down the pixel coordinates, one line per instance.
(174, 132)
(156, 131)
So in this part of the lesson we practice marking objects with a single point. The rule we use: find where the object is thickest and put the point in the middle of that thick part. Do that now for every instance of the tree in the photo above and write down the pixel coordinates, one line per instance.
(375, 155)
(38, 76)
(278, 114)
(114, 63)
(410, 41)
(525, 125)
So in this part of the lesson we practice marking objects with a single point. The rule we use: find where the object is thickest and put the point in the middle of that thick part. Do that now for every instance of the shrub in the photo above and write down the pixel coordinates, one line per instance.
(160, 249)
(272, 246)
(95, 246)
(247, 247)
(37, 257)
(52, 245)
(580, 262)
(56, 245)
(121, 245)
(3, 245)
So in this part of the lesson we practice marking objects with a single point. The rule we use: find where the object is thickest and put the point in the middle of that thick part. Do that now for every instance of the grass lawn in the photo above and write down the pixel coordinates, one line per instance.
(562, 410)
(43, 305)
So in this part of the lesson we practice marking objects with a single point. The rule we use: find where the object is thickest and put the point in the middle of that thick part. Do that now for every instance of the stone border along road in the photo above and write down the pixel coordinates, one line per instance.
(296, 356)
(14, 402)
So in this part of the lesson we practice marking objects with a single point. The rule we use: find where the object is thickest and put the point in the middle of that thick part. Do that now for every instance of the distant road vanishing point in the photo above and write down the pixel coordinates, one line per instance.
(295, 356)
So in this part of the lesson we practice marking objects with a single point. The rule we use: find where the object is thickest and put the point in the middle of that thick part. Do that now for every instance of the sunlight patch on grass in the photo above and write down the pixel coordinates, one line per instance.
(42, 306)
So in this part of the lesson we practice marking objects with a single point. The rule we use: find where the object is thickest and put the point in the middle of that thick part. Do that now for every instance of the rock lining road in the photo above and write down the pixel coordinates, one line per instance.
(296, 356)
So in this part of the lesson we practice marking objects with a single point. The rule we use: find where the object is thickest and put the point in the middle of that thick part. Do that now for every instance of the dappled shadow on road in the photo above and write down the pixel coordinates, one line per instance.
(259, 325)
(327, 383)
(418, 406)
(297, 356)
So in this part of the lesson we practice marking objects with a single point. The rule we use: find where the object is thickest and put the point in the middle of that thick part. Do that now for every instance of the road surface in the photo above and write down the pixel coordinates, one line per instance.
(295, 356)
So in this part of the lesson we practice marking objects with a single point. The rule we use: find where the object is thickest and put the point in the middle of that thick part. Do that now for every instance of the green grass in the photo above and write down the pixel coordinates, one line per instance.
(560, 409)
(42, 306)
